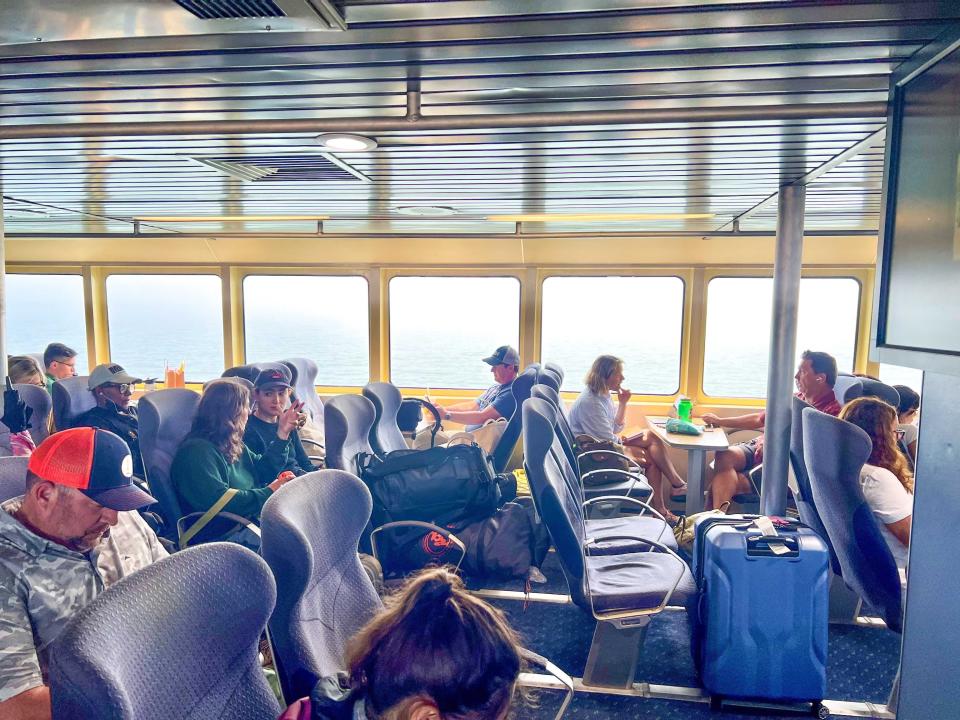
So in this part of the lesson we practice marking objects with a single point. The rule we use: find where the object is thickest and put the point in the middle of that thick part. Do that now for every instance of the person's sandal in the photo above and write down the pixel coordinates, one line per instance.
(678, 491)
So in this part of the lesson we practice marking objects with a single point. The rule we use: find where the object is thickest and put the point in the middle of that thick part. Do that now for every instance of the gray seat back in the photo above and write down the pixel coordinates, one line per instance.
(348, 419)
(305, 388)
(847, 388)
(311, 529)
(548, 473)
(804, 497)
(555, 369)
(246, 372)
(511, 433)
(548, 377)
(877, 389)
(564, 433)
(178, 639)
(835, 451)
(71, 398)
(165, 418)
(385, 435)
(39, 399)
(13, 477)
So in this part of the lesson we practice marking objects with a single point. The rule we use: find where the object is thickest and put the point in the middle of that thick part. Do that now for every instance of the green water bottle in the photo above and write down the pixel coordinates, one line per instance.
(684, 408)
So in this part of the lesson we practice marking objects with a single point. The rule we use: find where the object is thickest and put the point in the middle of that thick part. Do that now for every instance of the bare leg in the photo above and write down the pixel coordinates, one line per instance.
(727, 480)
(655, 478)
(658, 453)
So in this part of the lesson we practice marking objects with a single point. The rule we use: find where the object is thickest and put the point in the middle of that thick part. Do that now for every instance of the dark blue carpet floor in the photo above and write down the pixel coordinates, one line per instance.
(861, 666)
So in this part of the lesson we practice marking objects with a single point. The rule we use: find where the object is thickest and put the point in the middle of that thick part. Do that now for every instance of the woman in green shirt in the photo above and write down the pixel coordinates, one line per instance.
(214, 459)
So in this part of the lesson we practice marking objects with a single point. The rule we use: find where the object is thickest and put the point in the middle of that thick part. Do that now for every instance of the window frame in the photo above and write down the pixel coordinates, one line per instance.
(239, 275)
(103, 273)
(861, 276)
(686, 277)
(388, 275)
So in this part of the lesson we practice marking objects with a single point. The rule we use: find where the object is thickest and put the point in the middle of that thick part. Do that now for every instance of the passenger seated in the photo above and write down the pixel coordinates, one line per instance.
(23, 370)
(271, 392)
(72, 534)
(435, 652)
(815, 379)
(213, 459)
(497, 402)
(593, 414)
(60, 362)
(907, 427)
(112, 388)
(885, 479)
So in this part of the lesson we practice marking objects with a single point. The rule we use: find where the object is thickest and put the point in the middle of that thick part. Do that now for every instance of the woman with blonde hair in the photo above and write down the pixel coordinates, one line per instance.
(885, 479)
(593, 414)
(436, 652)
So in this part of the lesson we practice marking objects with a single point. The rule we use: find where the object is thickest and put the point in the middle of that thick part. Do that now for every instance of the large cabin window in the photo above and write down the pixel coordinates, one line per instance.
(738, 329)
(160, 320)
(639, 319)
(323, 317)
(441, 328)
(42, 309)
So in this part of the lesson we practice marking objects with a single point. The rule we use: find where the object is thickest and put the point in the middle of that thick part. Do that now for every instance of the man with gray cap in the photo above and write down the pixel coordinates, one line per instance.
(70, 535)
(498, 401)
(112, 388)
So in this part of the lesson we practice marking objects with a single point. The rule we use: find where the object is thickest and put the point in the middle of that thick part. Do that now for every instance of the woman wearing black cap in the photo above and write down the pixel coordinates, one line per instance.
(271, 394)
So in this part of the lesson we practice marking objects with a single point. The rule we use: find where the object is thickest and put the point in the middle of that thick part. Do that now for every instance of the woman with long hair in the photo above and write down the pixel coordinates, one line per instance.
(593, 414)
(213, 458)
(886, 480)
(436, 652)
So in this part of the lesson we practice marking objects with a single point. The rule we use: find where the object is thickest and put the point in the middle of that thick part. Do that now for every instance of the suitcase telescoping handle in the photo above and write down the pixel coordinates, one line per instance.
(772, 546)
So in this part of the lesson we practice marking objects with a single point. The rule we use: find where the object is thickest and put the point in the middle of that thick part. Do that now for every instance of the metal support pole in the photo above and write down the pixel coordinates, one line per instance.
(3, 292)
(783, 348)
(413, 99)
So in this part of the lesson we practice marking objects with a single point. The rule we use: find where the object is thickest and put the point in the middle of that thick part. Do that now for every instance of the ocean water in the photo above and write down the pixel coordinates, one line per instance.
(440, 328)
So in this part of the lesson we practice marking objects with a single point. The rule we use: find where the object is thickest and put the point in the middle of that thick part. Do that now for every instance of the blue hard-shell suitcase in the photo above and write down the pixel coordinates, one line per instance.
(761, 624)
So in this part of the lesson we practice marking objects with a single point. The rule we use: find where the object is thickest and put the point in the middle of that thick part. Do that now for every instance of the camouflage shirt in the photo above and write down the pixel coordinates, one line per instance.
(43, 584)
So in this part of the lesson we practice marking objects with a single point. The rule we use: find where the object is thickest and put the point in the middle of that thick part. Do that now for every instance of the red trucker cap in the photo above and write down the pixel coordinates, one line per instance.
(95, 462)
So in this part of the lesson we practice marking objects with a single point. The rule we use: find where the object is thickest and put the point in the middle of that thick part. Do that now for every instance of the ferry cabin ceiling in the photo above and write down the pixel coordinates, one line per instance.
(137, 120)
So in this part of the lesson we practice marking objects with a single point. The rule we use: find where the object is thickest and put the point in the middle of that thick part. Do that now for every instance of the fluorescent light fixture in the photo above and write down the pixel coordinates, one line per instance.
(230, 218)
(346, 142)
(426, 210)
(597, 217)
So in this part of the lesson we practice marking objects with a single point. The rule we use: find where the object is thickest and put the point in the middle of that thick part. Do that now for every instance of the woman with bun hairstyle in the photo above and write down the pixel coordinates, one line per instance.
(435, 653)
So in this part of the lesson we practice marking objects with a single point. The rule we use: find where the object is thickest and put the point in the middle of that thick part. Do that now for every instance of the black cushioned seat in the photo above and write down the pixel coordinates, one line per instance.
(635, 581)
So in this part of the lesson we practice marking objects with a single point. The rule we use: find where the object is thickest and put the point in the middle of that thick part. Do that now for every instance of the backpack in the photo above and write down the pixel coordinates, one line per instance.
(442, 485)
(601, 461)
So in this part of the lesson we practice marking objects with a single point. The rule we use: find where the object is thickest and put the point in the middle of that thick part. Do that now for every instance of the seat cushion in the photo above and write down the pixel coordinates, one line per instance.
(636, 581)
(646, 527)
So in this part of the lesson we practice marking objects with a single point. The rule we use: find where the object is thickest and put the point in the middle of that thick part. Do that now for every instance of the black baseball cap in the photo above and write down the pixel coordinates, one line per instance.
(276, 376)
(96, 462)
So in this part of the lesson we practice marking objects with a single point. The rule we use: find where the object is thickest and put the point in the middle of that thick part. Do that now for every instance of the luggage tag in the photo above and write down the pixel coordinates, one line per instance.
(769, 529)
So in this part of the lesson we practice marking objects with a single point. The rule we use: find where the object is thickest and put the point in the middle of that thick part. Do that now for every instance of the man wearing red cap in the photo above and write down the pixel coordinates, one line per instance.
(73, 533)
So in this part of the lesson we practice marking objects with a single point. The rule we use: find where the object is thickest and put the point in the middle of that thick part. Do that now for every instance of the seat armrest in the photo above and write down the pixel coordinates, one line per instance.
(446, 534)
(533, 658)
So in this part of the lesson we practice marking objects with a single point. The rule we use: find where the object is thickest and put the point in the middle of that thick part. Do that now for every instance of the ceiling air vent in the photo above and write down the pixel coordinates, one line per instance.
(231, 9)
(315, 167)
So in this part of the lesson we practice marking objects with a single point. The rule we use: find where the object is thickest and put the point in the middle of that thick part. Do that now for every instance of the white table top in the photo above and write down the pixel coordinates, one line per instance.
(712, 438)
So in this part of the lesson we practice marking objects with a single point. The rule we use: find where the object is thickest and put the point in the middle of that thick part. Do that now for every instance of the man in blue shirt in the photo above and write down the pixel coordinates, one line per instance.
(497, 401)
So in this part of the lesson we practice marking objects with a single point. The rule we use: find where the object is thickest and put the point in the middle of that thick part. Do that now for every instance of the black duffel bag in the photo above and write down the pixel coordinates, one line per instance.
(441, 485)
